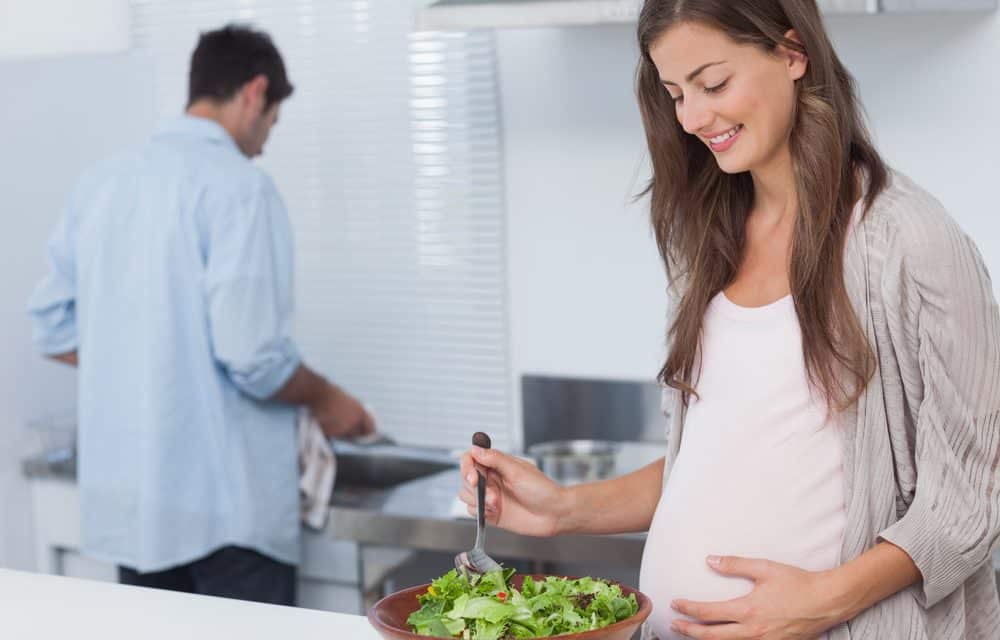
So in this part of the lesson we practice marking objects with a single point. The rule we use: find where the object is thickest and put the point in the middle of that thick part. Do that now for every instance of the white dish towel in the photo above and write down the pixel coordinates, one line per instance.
(317, 470)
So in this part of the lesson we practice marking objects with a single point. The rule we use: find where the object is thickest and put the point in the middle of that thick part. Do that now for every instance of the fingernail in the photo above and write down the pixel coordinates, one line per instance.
(471, 477)
(673, 605)
(714, 560)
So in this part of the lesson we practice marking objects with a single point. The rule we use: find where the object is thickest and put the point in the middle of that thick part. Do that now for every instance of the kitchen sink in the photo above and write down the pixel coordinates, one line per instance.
(363, 470)
(386, 465)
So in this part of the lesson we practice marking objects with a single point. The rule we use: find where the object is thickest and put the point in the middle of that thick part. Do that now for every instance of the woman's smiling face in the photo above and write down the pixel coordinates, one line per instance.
(738, 99)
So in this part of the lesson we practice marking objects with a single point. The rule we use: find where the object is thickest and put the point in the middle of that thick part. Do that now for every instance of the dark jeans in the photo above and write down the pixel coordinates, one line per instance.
(230, 572)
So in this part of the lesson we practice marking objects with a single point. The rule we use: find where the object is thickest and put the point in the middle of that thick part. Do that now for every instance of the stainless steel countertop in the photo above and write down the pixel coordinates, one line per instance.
(59, 464)
(417, 515)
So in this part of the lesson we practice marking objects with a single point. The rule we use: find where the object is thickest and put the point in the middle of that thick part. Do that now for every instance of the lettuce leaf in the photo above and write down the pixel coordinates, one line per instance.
(487, 608)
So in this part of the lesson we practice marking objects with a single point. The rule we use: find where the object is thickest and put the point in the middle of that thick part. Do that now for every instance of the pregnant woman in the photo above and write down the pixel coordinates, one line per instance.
(833, 372)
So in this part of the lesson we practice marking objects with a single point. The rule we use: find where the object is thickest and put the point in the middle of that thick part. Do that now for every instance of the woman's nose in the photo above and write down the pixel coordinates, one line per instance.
(694, 116)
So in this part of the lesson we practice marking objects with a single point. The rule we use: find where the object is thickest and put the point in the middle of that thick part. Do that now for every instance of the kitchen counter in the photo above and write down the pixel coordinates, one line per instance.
(418, 515)
(55, 607)
(380, 519)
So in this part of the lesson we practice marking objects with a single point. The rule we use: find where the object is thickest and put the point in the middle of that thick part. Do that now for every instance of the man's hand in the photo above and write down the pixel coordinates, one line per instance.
(69, 358)
(340, 415)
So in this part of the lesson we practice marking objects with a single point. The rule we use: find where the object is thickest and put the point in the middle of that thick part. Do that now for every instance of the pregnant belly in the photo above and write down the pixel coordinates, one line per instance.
(714, 516)
(674, 567)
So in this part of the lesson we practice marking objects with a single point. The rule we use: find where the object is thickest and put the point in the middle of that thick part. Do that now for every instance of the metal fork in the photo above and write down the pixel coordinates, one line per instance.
(475, 560)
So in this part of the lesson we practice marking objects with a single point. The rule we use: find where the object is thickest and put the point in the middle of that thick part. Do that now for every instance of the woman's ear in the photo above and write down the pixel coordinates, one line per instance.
(796, 60)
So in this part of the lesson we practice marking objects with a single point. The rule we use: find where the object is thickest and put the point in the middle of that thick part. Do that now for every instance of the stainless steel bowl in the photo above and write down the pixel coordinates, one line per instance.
(575, 461)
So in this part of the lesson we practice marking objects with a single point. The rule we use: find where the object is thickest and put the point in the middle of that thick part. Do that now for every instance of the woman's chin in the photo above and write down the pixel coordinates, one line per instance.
(732, 168)
(732, 164)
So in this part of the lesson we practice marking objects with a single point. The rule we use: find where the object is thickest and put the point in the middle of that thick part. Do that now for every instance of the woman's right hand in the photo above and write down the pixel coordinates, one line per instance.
(519, 497)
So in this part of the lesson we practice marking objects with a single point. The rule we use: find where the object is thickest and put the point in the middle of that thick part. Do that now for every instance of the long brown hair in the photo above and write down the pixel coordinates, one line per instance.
(699, 212)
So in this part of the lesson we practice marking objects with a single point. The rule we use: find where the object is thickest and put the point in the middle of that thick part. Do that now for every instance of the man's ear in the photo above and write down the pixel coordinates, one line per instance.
(254, 92)
(796, 60)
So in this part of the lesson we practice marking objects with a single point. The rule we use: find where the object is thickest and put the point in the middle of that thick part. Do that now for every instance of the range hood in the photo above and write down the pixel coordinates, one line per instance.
(464, 15)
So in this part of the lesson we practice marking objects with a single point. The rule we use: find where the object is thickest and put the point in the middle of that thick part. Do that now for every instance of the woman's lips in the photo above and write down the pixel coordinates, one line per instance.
(727, 144)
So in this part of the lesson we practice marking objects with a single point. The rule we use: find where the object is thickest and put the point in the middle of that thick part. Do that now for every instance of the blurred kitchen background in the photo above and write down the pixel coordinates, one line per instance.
(469, 255)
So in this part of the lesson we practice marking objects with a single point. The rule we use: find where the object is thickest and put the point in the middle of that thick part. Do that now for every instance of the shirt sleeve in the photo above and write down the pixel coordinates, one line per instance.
(953, 520)
(52, 305)
(249, 290)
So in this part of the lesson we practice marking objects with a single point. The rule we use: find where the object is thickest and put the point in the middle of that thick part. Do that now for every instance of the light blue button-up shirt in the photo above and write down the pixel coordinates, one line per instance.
(171, 276)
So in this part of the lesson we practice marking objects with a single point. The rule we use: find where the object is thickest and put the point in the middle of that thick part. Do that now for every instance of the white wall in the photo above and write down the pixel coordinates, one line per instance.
(30, 28)
(58, 116)
(585, 281)
(931, 85)
(586, 286)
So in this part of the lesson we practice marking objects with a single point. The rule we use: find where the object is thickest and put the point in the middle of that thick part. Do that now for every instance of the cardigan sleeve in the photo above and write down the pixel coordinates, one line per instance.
(953, 521)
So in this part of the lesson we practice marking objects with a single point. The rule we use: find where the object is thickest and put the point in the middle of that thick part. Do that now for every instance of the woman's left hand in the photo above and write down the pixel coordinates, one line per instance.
(787, 603)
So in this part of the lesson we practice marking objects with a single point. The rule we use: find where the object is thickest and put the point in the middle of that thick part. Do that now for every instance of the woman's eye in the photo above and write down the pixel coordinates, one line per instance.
(717, 88)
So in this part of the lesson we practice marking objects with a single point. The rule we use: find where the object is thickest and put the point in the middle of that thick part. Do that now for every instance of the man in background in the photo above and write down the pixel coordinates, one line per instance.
(170, 288)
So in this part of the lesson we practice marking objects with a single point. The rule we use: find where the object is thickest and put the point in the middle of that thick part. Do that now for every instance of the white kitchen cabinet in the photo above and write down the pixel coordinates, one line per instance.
(63, 27)
(56, 505)
(848, 6)
(466, 15)
(836, 7)
(891, 6)
(74, 564)
(328, 576)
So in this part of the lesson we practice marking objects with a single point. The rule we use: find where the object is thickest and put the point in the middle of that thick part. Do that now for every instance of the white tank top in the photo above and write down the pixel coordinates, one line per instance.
(759, 472)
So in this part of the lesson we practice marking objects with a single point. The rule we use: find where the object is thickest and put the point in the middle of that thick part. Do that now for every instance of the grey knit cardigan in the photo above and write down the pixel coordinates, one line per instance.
(922, 444)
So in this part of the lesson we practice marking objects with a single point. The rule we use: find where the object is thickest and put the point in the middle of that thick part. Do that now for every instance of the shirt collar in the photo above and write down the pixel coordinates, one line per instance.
(198, 127)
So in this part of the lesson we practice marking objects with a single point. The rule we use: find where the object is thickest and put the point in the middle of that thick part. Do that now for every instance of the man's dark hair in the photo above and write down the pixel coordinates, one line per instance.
(228, 58)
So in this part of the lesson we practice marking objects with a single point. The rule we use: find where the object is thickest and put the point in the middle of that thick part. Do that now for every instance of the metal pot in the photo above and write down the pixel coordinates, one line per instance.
(575, 461)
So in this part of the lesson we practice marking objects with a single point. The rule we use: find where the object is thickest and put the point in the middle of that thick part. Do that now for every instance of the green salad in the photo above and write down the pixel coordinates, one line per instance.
(487, 607)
